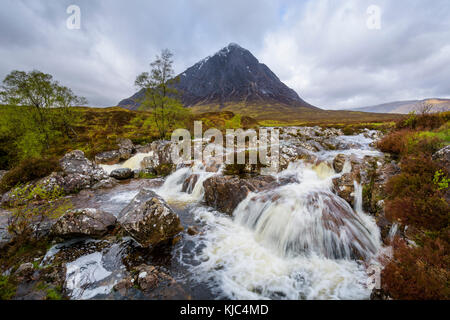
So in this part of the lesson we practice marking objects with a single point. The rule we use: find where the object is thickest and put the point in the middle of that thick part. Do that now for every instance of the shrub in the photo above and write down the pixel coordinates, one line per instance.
(28, 170)
(395, 142)
(414, 197)
(418, 273)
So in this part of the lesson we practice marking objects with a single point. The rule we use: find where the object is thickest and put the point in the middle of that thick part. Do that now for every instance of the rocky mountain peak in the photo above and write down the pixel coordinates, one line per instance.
(231, 75)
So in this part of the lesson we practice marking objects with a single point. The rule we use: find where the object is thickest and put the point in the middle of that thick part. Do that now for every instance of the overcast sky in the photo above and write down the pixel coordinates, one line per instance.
(323, 49)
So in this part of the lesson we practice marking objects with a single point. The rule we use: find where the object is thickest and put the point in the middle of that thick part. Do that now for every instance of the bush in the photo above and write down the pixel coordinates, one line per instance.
(28, 170)
(418, 273)
(414, 197)
(395, 142)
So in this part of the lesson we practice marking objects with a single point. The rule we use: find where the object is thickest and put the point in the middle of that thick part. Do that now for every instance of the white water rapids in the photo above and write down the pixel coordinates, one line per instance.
(297, 241)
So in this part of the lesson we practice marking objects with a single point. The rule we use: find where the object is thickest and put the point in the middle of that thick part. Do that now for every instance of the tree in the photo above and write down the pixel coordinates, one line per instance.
(42, 107)
(159, 94)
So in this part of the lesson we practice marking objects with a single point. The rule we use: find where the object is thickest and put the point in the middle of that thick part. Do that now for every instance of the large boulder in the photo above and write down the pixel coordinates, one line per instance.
(125, 151)
(122, 174)
(87, 222)
(443, 157)
(224, 193)
(78, 173)
(149, 219)
(161, 155)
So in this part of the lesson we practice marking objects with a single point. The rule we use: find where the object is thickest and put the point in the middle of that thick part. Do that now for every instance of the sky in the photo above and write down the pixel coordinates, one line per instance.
(334, 53)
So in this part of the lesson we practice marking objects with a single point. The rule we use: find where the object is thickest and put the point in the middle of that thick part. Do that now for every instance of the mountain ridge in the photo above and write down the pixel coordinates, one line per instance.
(404, 107)
(231, 75)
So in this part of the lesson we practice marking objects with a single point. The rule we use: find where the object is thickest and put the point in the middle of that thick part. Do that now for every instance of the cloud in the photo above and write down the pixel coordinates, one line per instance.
(321, 48)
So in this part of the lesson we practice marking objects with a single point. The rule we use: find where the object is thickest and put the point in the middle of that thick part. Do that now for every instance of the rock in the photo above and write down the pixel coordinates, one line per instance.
(192, 231)
(108, 157)
(122, 174)
(149, 220)
(224, 193)
(124, 143)
(25, 272)
(78, 173)
(125, 151)
(338, 162)
(84, 223)
(2, 174)
(379, 294)
(123, 286)
(148, 277)
(443, 157)
(344, 187)
(189, 183)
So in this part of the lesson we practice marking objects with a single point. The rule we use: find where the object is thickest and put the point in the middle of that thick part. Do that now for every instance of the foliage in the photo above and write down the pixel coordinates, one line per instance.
(441, 180)
(159, 94)
(417, 199)
(7, 288)
(43, 110)
(419, 272)
(28, 170)
(33, 205)
(414, 199)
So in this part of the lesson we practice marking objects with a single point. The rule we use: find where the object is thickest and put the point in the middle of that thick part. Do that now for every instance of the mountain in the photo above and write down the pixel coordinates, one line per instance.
(232, 80)
(405, 107)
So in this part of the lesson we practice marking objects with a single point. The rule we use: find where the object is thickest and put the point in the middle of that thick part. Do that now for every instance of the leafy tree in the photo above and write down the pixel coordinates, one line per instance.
(159, 94)
(39, 110)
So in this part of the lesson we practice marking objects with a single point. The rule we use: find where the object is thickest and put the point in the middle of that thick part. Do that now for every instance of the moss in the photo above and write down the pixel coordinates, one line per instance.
(7, 288)
(54, 294)
(164, 169)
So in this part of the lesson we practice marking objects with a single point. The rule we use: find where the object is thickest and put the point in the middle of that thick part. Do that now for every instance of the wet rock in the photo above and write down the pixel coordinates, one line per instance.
(379, 294)
(344, 187)
(443, 157)
(224, 193)
(108, 157)
(124, 285)
(338, 162)
(84, 223)
(122, 174)
(189, 183)
(192, 231)
(149, 220)
(148, 277)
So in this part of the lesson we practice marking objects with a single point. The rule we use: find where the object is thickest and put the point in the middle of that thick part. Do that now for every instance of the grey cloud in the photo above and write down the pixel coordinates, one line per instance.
(321, 48)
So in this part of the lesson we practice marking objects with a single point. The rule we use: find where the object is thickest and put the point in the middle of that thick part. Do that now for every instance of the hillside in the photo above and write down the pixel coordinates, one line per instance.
(405, 107)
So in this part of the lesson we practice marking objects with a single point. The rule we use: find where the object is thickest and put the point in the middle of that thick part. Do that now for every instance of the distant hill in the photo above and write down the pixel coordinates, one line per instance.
(405, 107)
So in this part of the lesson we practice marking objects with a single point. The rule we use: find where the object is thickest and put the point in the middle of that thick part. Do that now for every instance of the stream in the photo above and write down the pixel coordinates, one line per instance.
(296, 241)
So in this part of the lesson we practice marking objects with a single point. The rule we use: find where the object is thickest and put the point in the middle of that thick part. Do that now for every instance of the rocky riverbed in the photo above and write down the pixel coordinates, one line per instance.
(309, 231)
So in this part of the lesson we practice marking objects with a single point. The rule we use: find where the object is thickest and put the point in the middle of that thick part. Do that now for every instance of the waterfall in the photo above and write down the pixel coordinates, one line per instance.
(307, 218)
(134, 163)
